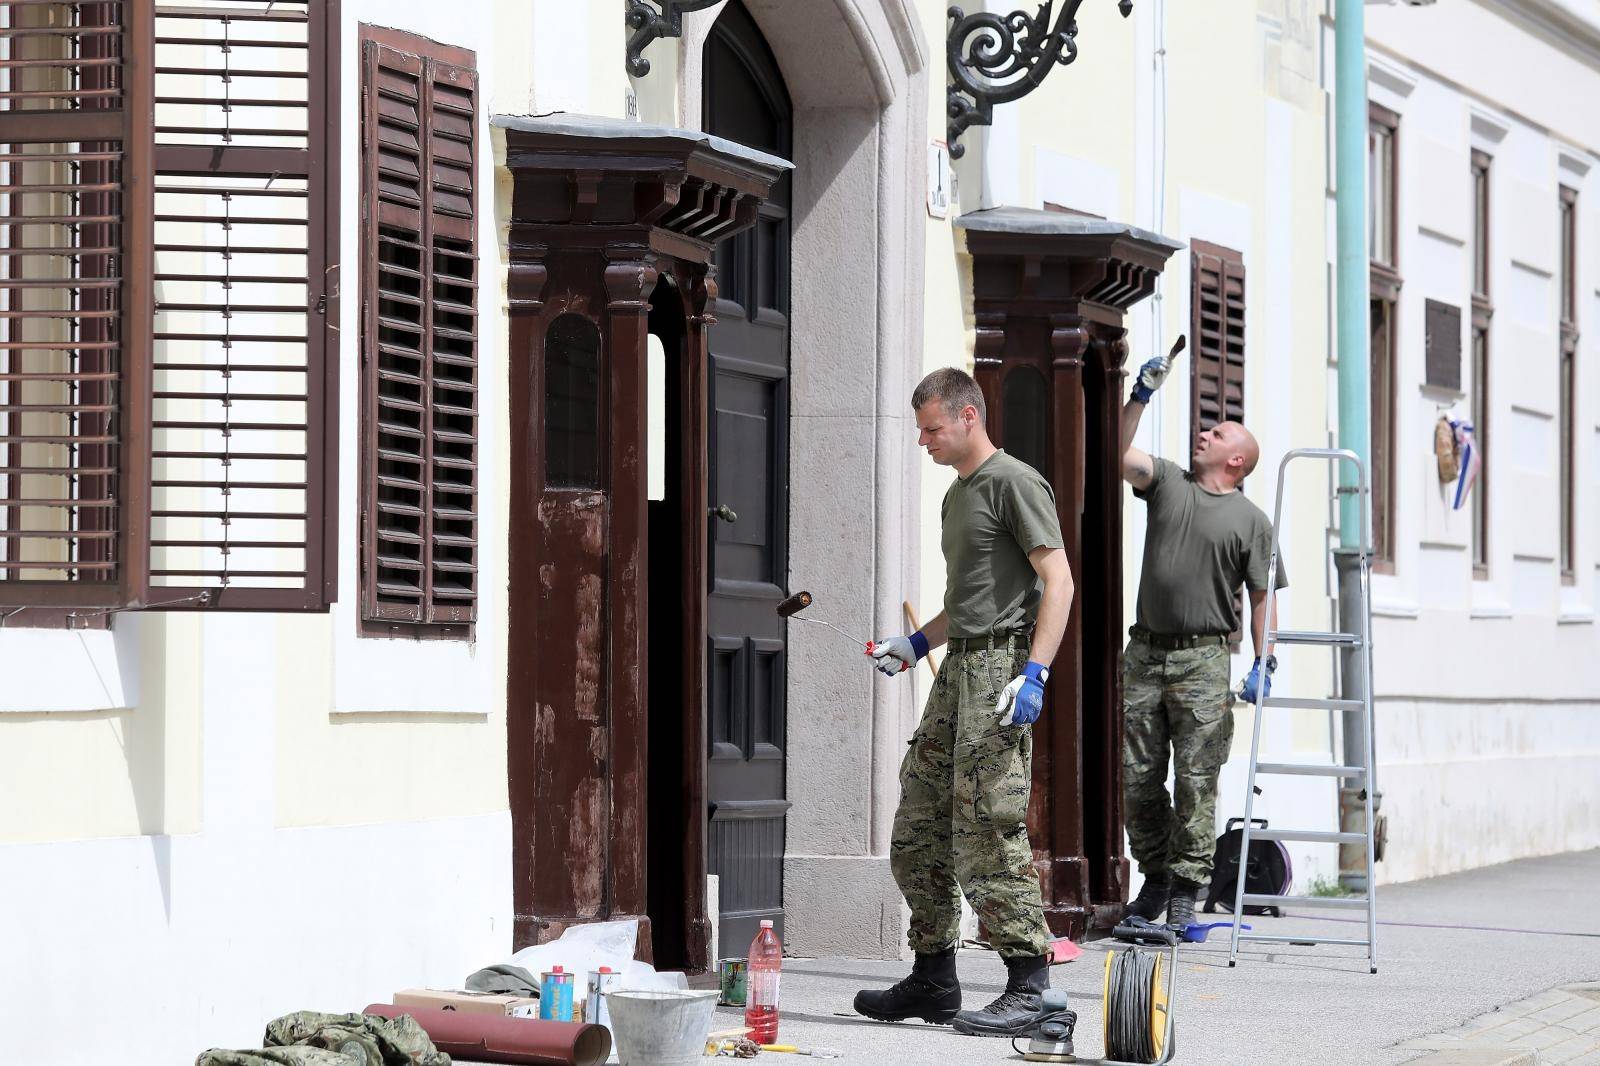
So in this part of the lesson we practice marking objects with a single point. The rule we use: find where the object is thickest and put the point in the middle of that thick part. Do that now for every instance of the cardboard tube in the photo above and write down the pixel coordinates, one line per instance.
(494, 1038)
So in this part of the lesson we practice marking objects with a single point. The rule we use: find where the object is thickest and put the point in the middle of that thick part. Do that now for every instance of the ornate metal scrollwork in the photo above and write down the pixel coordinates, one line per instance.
(994, 59)
(648, 21)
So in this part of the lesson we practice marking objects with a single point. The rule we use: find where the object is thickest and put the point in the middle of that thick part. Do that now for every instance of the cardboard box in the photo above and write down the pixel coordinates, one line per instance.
(468, 1002)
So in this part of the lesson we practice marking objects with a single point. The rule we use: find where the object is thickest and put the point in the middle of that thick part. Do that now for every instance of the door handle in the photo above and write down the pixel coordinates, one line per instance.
(726, 513)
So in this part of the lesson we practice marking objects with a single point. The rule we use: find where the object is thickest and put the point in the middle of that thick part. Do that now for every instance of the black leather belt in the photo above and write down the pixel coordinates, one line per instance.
(996, 640)
(1166, 642)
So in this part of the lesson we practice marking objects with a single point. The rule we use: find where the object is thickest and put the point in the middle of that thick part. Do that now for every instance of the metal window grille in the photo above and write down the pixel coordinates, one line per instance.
(419, 567)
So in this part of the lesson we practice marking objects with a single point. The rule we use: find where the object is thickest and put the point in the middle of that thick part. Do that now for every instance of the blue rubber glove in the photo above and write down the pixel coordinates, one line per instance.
(1255, 678)
(1022, 701)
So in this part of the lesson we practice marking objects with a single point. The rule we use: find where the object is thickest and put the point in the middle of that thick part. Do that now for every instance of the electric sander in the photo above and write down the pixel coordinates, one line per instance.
(1050, 1039)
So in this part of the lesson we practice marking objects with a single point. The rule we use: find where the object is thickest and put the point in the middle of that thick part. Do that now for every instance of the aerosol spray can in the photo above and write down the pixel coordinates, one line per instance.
(555, 996)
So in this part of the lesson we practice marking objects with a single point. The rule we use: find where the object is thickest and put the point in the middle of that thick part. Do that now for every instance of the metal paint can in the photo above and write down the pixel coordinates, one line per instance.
(555, 996)
(735, 976)
(601, 982)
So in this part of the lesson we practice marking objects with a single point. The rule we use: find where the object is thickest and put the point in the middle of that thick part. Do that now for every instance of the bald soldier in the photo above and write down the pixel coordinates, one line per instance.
(1203, 538)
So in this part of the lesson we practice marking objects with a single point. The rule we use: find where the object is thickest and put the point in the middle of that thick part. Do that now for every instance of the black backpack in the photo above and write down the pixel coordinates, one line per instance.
(1267, 873)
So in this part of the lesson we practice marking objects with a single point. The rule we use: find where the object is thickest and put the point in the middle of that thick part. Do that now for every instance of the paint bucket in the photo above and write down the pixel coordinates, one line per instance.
(601, 983)
(734, 975)
(555, 996)
(661, 1028)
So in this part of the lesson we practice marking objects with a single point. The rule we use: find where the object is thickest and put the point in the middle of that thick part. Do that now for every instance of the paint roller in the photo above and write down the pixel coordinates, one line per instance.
(792, 605)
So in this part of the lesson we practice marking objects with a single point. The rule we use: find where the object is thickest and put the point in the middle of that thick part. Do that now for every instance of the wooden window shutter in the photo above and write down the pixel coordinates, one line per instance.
(1217, 328)
(245, 421)
(1216, 382)
(74, 315)
(419, 566)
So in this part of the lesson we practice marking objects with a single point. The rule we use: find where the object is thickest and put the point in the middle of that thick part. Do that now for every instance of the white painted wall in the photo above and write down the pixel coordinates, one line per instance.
(236, 815)
(1489, 690)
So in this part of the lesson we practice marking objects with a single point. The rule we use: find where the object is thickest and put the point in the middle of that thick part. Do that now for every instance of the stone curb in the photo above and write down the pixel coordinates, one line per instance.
(1479, 1056)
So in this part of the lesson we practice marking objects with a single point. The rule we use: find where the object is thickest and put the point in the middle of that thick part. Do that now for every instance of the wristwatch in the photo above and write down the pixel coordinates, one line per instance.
(1271, 663)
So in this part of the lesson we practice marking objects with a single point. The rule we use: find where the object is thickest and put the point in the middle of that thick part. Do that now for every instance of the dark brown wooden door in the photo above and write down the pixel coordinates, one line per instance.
(745, 101)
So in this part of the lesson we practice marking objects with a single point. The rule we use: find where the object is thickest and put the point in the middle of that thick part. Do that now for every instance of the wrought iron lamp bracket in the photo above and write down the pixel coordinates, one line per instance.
(649, 21)
(995, 59)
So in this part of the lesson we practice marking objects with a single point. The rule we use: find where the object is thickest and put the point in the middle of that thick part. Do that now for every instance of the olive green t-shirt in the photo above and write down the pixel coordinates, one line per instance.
(991, 520)
(1198, 547)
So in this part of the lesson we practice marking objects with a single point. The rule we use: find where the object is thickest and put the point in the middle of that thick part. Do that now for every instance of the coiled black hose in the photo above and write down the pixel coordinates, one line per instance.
(1130, 1033)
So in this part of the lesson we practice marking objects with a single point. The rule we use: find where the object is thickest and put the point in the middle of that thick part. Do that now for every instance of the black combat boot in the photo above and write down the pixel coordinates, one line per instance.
(1151, 900)
(1018, 1006)
(1180, 904)
(931, 993)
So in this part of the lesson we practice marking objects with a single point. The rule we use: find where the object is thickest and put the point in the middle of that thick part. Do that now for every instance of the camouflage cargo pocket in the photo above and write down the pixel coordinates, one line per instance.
(997, 774)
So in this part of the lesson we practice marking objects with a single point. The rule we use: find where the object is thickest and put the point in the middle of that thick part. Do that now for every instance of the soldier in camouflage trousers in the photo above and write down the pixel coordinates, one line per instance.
(1178, 698)
(1203, 539)
(964, 783)
(977, 845)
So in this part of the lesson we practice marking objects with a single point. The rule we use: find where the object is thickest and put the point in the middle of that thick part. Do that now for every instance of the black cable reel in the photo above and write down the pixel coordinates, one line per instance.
(1137, 987)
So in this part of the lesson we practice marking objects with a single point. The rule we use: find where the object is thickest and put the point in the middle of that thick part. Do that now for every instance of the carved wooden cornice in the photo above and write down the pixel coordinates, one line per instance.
(1050, 262)
(595, 177)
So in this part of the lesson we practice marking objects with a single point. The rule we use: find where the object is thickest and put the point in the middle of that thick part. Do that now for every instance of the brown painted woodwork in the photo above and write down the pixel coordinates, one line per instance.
(608, 224)
(419, 337)
(248, 393)
(1216, 336)
(75, 344)
(1217, 354)
(1049, 295)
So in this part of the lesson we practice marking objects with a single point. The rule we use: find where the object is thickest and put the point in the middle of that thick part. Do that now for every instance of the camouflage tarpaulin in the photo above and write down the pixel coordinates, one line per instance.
(310, 1038)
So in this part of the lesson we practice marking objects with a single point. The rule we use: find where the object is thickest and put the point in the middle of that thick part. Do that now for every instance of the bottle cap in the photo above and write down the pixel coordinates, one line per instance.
(766, 923)
(605, 969)
(557, 969)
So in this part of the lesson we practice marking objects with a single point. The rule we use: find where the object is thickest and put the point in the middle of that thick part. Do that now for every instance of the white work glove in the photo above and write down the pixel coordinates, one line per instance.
(894, 654)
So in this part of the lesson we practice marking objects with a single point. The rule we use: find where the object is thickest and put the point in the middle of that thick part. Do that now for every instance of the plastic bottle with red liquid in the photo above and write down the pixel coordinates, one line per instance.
(761, 999)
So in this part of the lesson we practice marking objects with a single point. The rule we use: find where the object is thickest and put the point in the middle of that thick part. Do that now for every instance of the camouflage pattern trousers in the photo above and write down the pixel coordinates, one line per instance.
(964, 788)
(1178, 699)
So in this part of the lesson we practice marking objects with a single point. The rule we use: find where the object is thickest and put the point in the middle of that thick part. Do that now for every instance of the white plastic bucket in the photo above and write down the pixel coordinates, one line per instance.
(661, 1028)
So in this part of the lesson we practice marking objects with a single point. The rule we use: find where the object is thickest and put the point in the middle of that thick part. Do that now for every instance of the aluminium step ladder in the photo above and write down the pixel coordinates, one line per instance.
(1360, 702)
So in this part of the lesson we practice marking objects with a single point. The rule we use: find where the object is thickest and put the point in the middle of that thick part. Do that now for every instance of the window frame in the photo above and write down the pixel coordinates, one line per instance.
(1482, 313)
(377, 618)
(1385, 283)
(1567, 388)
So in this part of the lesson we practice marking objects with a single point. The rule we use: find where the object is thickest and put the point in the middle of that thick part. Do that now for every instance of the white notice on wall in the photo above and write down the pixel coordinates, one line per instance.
(939, 179)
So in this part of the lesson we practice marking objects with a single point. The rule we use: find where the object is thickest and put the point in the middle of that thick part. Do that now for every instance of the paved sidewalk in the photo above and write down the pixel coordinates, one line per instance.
(1561, 1025)
(1481, 968)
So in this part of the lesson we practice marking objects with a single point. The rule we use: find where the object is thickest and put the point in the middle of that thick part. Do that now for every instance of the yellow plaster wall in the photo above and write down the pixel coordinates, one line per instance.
(84, 775)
